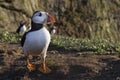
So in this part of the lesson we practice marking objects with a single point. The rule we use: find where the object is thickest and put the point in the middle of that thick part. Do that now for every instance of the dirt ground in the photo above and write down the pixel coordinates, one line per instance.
(65, 65)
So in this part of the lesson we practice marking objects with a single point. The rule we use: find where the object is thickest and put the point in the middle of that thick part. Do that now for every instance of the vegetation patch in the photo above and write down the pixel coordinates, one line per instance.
(97, 46)
(9, 37)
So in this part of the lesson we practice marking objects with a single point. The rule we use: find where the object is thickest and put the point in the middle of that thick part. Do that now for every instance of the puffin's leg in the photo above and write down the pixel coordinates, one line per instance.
(30, 67)
(43, 68)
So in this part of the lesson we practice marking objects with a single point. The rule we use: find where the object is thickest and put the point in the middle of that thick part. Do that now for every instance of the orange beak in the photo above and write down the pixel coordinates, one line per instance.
(51, 19)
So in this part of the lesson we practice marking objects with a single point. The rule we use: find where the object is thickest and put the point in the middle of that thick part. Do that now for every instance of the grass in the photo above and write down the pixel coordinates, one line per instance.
(9, 37)
(71, 44)
(86, 45)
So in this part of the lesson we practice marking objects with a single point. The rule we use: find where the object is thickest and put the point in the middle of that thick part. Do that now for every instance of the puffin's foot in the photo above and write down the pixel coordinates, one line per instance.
(45, 70)
(31, 67)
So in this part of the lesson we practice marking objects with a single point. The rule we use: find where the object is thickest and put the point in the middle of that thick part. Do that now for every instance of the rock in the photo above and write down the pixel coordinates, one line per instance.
(79, 18)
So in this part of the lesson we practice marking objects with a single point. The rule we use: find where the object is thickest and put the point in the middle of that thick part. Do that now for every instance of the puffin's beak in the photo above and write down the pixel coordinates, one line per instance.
(50, 19)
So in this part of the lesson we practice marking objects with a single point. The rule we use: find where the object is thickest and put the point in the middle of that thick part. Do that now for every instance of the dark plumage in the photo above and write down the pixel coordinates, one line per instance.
(37, 27)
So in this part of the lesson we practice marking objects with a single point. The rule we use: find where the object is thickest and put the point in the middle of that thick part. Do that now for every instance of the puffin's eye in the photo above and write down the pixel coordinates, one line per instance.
(40, 14)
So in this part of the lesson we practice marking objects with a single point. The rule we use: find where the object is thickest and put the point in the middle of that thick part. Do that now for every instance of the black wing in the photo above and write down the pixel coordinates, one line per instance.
(23, 39)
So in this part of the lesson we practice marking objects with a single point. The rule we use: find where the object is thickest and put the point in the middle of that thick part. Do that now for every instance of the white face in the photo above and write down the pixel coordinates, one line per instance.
(39, 17)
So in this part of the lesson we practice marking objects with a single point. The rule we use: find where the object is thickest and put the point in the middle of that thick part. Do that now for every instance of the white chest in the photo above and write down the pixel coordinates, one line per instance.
(36, 41)
(23, 29)
(53, 31)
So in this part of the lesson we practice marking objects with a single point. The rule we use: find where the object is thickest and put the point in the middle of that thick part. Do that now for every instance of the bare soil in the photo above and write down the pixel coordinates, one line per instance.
(65, 65)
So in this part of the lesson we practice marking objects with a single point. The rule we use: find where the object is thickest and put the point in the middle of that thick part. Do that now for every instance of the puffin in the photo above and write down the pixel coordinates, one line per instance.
(36, 41)
(53, 30)
(22, 28)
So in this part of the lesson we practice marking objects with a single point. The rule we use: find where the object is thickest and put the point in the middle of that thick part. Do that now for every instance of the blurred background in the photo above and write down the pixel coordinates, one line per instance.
(82, 28)
(92, 19)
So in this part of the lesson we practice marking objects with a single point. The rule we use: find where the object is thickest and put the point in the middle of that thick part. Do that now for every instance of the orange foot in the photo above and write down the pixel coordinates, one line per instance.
(45, 70)
(31, 67)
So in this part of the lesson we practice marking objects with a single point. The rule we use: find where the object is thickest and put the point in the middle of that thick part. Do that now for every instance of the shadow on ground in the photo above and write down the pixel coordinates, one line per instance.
(18, 71)
(110, 72)
(64, 66)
